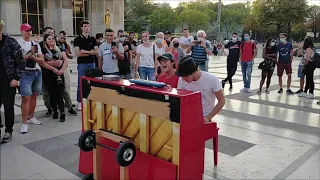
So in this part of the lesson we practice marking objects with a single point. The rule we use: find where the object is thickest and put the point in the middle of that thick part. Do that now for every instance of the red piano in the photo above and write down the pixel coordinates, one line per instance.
(165, 124)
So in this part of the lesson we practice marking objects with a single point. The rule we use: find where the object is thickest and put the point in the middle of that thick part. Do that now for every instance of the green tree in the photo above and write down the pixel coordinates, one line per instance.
(163, 18)
(194, 19)
(281, 13)
(314, 19)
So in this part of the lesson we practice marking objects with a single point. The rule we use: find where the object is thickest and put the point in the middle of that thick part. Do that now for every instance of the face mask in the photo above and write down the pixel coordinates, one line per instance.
(121, 39)
(246, 38)
(234, 38)
(272, 43)
(159, 41)
(176, 45)
(200, 39)
(282, 40)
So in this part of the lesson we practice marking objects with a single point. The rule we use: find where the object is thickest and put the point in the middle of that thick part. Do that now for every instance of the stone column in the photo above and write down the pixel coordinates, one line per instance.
(118, 15)
(10, 13)
(58, 15)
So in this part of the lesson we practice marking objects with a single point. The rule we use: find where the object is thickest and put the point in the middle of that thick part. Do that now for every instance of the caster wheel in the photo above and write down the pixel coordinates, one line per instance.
(87, 140)
(125, 154)
(88, 177)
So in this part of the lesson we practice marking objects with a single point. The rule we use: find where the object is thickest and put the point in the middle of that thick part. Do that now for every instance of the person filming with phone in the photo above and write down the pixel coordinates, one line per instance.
(200, 50)
(110, 53)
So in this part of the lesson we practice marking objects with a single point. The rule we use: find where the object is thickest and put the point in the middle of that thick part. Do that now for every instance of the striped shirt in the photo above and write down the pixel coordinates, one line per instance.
(199, 53)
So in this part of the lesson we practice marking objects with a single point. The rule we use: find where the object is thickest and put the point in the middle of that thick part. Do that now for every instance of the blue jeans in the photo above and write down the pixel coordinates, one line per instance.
(146, 72)
(31, 82)
(203, 65)
(82, 72)
(246, 68)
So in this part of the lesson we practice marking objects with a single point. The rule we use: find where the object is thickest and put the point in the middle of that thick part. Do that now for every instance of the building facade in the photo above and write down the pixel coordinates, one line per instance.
(60, 14)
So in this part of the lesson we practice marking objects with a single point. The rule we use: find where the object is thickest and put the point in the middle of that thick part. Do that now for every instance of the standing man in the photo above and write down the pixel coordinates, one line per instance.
(248, 51)
(285, 50)
(110, 54)
(232, 59)
(125, 65)
(200, 50)
(193, 79)
(167, 38)
(186, 40)
(31, 80)
(12, 66)
(86, 49)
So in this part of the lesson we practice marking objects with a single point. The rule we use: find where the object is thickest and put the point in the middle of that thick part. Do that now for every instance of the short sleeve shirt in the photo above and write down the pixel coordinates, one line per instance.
(26, 47)
(234, 50)
(284, 52)
(87, 44)
(146, 56)
(110, 62)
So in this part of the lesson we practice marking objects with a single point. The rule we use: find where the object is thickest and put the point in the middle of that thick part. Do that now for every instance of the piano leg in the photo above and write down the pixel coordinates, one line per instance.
(215, 150)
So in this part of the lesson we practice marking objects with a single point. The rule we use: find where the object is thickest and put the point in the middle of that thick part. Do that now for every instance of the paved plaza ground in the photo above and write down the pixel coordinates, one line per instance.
(267, 136)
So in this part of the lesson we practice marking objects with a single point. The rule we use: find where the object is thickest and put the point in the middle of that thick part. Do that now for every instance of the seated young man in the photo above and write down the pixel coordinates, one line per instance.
(169, 77)
(193, 79)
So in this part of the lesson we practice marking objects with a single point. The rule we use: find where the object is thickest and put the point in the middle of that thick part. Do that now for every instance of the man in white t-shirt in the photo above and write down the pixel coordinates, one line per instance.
(186, 40)
(193, 79)
(31, 80)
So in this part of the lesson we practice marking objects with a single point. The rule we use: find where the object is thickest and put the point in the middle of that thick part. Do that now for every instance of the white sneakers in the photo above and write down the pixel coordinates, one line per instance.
(246, 90)
(79, 106)
(24, 127)
(308, 96)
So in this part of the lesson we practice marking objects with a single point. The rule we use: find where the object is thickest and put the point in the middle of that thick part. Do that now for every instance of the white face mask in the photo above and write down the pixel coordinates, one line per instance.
(234, 38)
(272, 43)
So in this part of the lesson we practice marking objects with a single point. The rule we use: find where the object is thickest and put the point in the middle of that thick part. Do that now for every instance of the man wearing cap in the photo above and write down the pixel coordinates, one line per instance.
(11, 68)
(168, 76)
(193, 79)
(31, 80)
(167, 38)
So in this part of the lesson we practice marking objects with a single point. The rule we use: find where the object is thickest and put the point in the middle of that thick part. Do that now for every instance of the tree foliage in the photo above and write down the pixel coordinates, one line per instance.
(163, 19)
(194, 19)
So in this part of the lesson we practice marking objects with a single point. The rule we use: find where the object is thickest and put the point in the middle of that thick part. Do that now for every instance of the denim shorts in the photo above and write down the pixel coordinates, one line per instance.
(31, 83)
(300, 74)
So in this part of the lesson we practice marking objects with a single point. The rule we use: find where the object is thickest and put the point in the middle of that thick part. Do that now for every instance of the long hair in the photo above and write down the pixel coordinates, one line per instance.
(308, 43)
(268, 42)
(55, 47)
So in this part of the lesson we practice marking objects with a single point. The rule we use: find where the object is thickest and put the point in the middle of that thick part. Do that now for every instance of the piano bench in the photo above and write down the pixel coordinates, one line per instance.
(211, 132)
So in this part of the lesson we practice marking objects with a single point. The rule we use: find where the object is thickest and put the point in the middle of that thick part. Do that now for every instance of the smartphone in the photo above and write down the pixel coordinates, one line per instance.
(198, 42)
(35, 46)
(113, 44)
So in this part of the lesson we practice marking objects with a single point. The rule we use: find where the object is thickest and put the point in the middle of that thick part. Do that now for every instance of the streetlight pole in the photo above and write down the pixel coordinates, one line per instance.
(219, 19)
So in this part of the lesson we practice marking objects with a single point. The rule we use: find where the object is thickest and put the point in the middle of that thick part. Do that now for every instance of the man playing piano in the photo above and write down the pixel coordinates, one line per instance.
(193, 79)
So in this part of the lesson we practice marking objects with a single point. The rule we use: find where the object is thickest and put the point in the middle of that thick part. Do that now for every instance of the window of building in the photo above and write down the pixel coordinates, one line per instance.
(80, 13)
(32, 13)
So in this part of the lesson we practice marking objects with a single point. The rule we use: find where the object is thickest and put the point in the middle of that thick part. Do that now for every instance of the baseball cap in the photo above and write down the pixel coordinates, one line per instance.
(186, 67)
(166, 56)
(25, 27)
(167, 32)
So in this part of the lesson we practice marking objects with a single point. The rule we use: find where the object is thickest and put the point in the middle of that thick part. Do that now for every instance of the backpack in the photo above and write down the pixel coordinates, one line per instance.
(316, 59)
(124, 65)
(242, 44)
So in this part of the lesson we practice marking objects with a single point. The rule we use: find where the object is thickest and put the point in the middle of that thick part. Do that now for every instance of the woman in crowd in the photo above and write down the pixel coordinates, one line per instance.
(308, 68)
(54, 80)
(176, 51)
(145, 59)
(159, 49)
(270, 58)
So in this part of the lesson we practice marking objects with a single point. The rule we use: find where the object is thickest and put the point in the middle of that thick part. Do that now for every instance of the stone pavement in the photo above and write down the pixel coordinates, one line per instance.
(267, 136)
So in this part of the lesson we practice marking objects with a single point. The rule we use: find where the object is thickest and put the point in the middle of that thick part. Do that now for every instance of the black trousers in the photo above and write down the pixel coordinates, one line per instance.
(7, 98)
(55, 89)
(309, 76)
(232, 66)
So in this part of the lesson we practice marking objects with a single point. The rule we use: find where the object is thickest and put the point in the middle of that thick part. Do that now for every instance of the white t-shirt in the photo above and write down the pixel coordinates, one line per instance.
(208, 84)
(146, 56)
(26, 47)
(160, 51)
(186, 40)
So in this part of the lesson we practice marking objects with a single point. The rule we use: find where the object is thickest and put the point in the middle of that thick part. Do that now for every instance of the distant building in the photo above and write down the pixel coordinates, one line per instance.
(60, 14)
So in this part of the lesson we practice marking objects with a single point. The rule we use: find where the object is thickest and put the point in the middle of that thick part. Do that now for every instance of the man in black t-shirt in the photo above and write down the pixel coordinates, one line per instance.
(86, 49)
(232, 59)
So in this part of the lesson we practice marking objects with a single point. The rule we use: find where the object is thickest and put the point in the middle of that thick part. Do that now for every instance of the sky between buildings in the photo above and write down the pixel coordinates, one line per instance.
(174, 3)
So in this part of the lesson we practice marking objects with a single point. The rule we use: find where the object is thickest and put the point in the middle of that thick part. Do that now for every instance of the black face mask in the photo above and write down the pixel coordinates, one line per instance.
(176, 45)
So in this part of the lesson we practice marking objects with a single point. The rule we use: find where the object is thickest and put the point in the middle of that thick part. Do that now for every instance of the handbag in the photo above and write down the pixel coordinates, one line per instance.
(264, 65)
